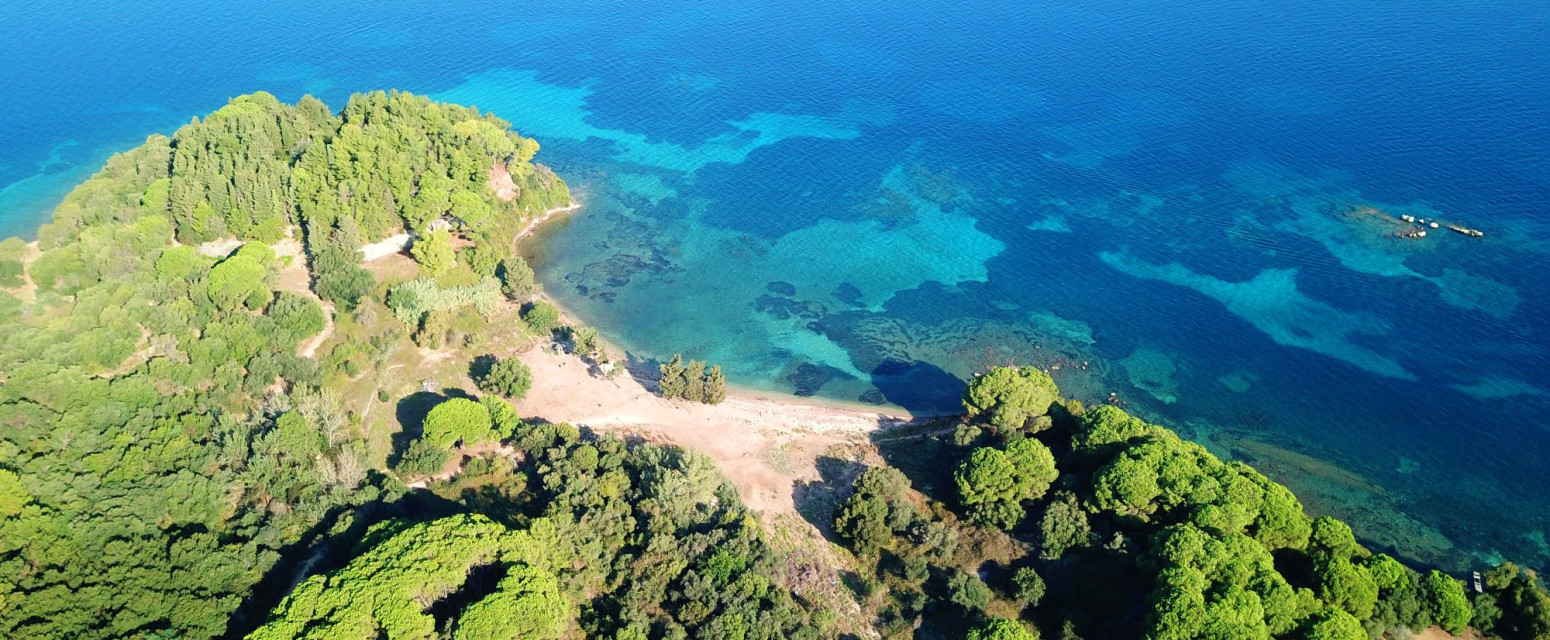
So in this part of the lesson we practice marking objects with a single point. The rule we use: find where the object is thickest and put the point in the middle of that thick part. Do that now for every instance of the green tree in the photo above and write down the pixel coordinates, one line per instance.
(517, 279)
(1336, 624)
(968, 591)
(541, 316)
(989, 487)
(715, 386)
(671, 381)
(1027, 586)
(508, 377)
(1010, 397)
(433, 251)
(1446, 602)
(234, 280)
(422, 458)
(458, 420)
(1063, 526)
(864, 517)
(694, 381)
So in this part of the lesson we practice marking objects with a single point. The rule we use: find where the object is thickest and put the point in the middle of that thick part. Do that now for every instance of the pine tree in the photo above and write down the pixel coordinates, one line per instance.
(715, 386)
(672, 384)
(694, 381)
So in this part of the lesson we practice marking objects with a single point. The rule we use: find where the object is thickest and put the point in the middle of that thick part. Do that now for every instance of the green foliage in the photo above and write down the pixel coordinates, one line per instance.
(383, 592)
(508, 377)
(1445, 601)
(715, 386)
(433, 250)
(458, 421)
(11, 273)
(1063, 526)
(413, 300)
(671, 382)
(992, 484)
(1010, 397)
(12, 248)
(866, 518)
(422, 458)
(541, 316)
(234, 279)
(526, 605)
(296, 317)
(176, 263)
(517, 279)
(1027, 586)
(1001, 629)
(1336, 625)
(13, 494)
(968, 591)
(692, 381)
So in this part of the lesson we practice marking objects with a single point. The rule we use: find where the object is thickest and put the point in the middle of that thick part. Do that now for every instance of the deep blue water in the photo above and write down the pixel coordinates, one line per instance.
(869, 202)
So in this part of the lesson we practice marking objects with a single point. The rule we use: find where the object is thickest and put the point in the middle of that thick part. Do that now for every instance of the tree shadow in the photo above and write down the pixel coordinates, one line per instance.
(921, 388)
(818, 500)
(480, 367)
(410, 412)
(646, 371)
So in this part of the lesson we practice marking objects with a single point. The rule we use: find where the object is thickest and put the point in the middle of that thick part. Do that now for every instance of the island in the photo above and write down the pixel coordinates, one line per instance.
(283, 374)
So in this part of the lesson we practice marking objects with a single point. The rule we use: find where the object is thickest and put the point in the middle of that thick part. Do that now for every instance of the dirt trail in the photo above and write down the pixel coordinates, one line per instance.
(296, 279)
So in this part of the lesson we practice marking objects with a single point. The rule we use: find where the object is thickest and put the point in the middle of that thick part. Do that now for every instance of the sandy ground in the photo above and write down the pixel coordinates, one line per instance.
(763, 446)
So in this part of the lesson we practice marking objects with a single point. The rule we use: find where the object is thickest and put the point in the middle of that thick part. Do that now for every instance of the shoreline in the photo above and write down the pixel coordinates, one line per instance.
(754, 396)
(533, 224)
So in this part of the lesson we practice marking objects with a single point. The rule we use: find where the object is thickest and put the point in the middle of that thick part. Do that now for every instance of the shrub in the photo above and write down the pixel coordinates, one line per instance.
(541, 316)
(508, 377)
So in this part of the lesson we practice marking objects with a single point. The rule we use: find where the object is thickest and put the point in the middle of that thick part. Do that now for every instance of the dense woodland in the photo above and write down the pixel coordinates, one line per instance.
(177, 462)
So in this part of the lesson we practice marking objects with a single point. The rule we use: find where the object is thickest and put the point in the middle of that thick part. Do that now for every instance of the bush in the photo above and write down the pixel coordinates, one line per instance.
(11, 273)
(508, 377)
(422, 458)
(968, 591)
(541, 316)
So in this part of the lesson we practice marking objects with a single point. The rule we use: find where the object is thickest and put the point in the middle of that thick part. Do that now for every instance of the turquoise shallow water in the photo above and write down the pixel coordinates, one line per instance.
(871, 202)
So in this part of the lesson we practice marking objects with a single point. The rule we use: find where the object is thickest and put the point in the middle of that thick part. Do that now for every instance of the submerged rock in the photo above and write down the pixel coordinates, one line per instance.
(849, 294)
(781, 288)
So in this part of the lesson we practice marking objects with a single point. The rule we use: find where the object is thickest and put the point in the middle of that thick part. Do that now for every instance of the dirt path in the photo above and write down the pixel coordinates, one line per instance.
(296, 279)
(27, 291)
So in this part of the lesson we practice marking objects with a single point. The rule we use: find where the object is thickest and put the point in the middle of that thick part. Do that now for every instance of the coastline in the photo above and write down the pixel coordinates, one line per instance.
(748, 395)
(533, 224)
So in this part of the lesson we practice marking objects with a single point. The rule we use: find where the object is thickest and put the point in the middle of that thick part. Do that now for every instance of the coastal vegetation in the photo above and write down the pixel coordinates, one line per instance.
(203, 434)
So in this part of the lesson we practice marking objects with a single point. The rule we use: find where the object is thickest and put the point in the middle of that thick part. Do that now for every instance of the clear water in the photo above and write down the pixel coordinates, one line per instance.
(870, 201)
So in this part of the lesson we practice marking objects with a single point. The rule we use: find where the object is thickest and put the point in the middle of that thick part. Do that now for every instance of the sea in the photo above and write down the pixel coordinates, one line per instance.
(1189, 209)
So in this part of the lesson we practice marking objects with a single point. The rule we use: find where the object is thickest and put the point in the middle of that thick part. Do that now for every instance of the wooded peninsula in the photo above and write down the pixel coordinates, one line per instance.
(218, 419)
